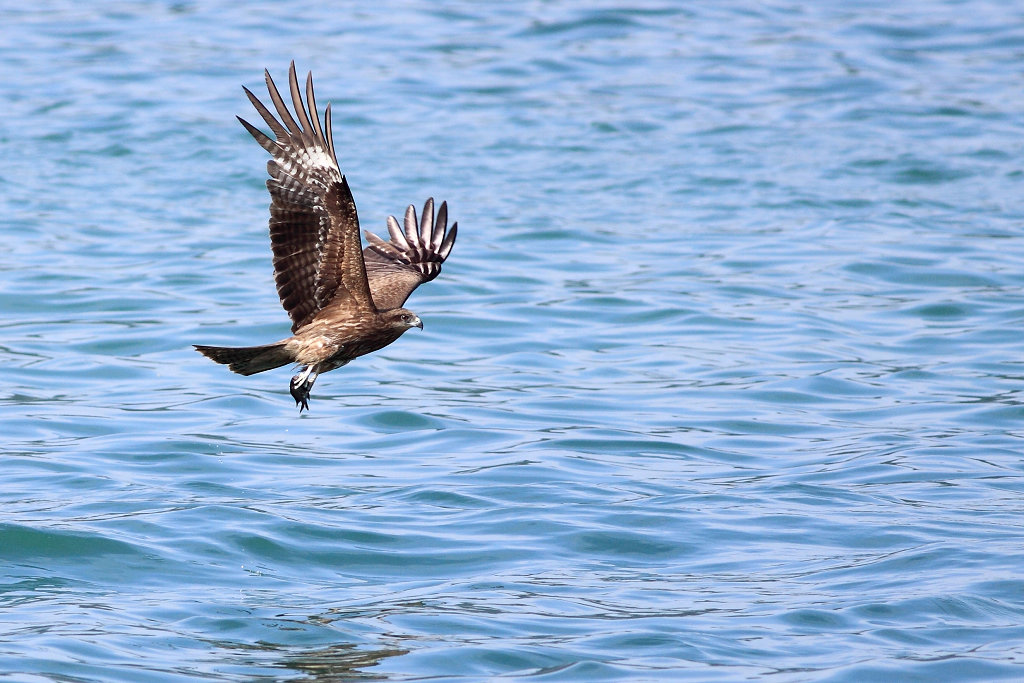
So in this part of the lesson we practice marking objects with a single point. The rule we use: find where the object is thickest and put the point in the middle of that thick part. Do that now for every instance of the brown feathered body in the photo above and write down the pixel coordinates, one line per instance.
(330, 340)
(344, 301)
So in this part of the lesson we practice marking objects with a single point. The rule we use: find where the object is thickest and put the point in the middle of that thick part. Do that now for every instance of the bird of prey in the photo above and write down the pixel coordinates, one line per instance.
(344, 301)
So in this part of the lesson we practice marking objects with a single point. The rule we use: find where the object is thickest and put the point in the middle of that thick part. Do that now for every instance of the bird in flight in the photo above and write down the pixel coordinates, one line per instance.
(344, 301)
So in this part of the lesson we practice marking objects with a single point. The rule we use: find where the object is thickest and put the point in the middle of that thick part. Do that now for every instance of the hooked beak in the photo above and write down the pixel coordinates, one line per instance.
(418, 323)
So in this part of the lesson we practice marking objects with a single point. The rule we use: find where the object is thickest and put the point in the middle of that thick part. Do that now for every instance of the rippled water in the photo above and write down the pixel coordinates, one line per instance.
(722, 381)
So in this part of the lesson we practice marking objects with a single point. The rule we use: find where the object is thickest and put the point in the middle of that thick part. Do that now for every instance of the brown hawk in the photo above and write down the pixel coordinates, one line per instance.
(344, 301)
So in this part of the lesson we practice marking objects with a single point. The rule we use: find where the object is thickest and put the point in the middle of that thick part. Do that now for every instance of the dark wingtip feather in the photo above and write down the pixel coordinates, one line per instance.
(396, 233)
(427, 221)
(268, 118)
(299, 106)
(282, 108)
(261, 137)
(449, 240)
(410, 224)
(311, 103)
(329, 133)
(440, 224)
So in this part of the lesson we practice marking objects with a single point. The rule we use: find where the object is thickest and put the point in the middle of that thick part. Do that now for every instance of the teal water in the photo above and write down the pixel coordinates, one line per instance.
(721, 382)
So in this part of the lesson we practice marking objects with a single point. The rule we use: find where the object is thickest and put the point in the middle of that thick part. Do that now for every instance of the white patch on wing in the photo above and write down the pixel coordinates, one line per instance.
(317, 166)
(309, 166)
(319, 159)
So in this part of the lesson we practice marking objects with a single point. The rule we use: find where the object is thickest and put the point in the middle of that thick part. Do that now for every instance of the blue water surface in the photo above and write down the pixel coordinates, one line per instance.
(721, 382)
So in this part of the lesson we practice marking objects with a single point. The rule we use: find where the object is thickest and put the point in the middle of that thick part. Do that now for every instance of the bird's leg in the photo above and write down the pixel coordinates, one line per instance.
(300, 386)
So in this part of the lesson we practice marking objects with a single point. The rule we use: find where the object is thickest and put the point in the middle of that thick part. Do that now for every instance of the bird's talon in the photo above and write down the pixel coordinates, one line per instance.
(299, 389)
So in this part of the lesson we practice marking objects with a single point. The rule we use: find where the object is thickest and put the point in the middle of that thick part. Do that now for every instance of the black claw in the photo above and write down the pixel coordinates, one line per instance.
(300, 392)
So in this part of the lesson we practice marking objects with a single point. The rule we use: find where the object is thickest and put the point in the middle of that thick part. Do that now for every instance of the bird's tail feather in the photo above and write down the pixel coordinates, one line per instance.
(248, 360)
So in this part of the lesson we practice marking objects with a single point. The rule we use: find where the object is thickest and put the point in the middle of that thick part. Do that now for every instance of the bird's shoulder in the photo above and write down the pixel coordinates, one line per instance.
(339, 319)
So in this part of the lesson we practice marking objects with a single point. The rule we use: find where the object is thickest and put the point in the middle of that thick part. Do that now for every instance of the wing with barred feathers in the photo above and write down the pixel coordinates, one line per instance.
(411, 257)
(314, 227)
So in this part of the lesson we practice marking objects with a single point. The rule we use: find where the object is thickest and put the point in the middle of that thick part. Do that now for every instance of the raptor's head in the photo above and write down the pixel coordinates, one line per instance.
(402, 318)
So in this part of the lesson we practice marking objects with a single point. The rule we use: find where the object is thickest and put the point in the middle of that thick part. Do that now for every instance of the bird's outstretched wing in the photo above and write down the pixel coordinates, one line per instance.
(314, 227)
(411, 257)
